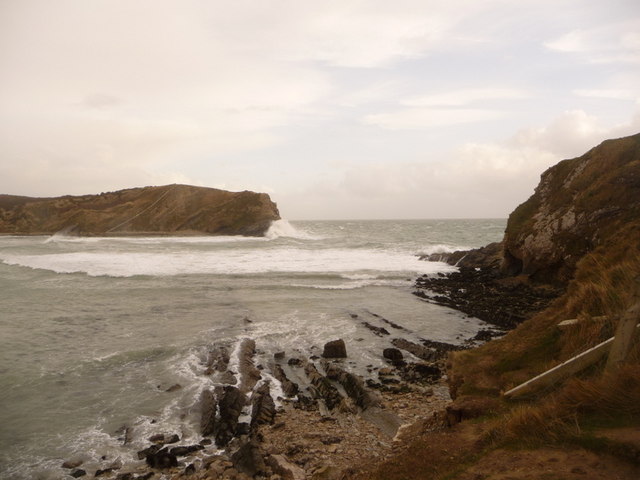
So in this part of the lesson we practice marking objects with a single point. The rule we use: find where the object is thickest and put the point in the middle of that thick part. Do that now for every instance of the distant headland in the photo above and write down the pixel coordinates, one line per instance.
(164, 210)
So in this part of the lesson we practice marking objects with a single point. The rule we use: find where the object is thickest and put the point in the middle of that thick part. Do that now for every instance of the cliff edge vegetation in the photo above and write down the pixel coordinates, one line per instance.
(169, 209)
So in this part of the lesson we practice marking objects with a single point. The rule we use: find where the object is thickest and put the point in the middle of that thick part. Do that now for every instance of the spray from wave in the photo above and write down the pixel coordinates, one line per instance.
(282, 228)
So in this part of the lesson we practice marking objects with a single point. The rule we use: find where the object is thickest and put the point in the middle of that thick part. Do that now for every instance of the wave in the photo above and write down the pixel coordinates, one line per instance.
(282, 228)
(441, 248)
(229, 262)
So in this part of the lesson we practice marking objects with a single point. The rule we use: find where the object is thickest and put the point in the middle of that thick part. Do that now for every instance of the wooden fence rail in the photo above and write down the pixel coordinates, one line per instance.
(617, 347)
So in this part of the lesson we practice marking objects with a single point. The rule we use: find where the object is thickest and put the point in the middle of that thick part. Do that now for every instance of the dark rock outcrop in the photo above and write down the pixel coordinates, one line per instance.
(169, 209)
(335, 349)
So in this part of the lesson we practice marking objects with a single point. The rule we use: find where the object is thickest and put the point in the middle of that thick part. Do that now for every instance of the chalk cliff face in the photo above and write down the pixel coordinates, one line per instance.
(169, 209)
(579, 205)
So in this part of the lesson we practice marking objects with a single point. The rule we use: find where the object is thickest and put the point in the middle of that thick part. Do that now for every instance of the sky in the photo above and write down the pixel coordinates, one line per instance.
(346, 109)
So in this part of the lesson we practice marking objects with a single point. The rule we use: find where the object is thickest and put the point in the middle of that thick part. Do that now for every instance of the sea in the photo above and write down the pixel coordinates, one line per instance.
(95, 330)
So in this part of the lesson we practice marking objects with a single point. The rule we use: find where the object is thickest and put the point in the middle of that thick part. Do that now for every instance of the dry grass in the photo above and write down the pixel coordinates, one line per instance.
(563, 415)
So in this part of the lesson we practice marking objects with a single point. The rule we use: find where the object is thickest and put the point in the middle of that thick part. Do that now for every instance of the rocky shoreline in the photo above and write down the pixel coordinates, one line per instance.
(300, 415)
(306, 415)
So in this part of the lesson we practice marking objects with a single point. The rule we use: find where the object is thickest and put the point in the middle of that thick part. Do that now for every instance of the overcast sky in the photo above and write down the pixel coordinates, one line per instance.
(337, 109)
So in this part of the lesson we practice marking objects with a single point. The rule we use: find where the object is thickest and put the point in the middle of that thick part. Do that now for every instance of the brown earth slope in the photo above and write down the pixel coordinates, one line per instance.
(169, 209)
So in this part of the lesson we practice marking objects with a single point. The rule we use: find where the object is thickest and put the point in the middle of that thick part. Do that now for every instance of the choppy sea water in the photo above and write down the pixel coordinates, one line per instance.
(94, 330)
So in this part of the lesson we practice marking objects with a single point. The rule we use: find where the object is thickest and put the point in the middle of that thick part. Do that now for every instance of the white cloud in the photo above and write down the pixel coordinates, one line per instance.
(457, 98)
(612, 43)
(424, 118)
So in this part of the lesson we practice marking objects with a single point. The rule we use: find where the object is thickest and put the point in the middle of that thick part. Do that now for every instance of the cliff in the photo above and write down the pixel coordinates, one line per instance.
(169, 209)
(580, 204)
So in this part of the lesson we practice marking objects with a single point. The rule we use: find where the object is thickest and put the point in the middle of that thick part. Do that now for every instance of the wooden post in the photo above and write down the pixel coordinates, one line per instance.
(624, 337)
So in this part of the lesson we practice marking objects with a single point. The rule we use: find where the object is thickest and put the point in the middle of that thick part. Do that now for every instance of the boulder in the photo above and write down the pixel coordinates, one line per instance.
(335, 349)
(393, 354)
(248, 459)
(161, 459)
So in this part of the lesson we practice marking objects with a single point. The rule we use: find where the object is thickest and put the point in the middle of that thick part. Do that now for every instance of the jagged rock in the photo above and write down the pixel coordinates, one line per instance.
(419, 351)
(162, 459)
(289, 388)
(335, 349)
(263, 409)
(354, 386)
(249, 458)
(217, 361)
(230, 406)
(208, 406)
(248, 371)
(323, 386)
(192, 209)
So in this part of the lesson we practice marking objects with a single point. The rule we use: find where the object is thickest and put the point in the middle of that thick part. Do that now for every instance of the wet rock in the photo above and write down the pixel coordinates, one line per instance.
(230, 406)
(161, 459)
(148, 451)
(323, 386)
(185, 450)
(295, 362)
(248, 371)
(485, 293)
(420, 373)
(126, 476)
(208, 407)
(103, 471)
(162, 438)
(335, 349)
(379, 331)
(263, 409)
(249, 458)
(289, 388)
(393, 354)
(217, 361)
(74, 463)
(278, 356)
(419, 351)
(77, 473)
(174, 388)
(353, 385)
(190, 469)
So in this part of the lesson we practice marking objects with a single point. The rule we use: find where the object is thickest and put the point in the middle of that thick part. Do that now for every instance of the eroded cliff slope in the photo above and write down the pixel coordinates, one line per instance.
(169, 209)
(580, 204)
